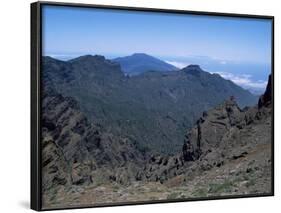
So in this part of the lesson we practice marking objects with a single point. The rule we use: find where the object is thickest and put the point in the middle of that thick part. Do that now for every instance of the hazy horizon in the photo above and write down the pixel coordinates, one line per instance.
(238, 49)
(246, 75)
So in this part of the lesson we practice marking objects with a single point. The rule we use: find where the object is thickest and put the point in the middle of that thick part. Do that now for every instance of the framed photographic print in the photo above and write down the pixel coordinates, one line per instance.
(141, 105)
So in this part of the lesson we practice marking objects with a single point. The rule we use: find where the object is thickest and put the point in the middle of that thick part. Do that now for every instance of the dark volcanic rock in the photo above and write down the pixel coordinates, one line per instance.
(222, 131)
(74, 149)
(227, 132)
(210, 130)
(54, 166)
(265, 99)
(61, 117)
(193, 69)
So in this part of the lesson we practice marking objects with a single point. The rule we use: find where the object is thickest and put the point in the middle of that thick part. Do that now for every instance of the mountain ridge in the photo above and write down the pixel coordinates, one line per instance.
(171, 100)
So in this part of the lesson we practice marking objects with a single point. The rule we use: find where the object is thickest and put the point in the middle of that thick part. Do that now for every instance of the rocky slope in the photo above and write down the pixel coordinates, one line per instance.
(86, 161)
(228, 152)
(76, 153)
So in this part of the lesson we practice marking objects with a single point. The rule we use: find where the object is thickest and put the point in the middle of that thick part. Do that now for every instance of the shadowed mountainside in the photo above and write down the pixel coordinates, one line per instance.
(143, 107)
(77, 153)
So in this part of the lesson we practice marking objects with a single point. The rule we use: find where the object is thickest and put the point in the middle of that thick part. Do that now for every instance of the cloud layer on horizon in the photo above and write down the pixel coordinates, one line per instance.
(245, 81)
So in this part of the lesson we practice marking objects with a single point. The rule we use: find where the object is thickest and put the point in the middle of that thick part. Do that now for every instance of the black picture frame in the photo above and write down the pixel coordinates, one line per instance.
(36, 54)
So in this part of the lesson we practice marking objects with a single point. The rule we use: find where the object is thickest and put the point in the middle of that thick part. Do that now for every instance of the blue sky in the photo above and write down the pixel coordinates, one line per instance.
(176, 38)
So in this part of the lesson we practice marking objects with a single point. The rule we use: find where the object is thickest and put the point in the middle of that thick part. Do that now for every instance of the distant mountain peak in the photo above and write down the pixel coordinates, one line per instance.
(98, 63)
(89, 57)
(193, 67)
(138, 63)
(50, 59)
(141, 54)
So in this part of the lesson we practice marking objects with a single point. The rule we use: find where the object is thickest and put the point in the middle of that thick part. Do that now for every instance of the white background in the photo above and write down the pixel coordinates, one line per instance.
(15, 106)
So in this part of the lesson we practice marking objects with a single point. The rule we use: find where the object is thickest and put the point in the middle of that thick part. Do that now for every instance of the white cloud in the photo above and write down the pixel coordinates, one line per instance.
(244, 80)
(178, 64)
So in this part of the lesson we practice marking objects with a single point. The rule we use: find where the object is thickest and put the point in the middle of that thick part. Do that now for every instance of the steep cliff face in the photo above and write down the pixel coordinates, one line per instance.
(76, 153)
(212, 129)
(265, 99)
(226, 128)
(64, 130)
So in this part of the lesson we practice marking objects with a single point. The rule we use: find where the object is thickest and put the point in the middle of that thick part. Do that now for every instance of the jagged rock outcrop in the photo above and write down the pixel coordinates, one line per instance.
(265, 99)
(216, 127)
(211, 128)
(221, 135)
(227, 132)
(65, 151)
(204, 142)
(54, 166)
(161, 168)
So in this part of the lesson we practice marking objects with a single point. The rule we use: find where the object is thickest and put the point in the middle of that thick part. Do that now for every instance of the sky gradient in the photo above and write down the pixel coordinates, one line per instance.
(175, 38)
